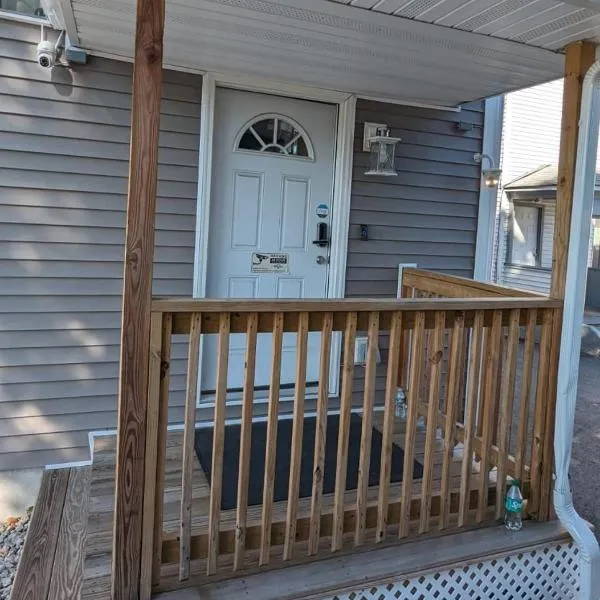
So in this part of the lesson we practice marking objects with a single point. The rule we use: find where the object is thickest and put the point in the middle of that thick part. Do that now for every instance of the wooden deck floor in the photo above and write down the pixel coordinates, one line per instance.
(68, 550)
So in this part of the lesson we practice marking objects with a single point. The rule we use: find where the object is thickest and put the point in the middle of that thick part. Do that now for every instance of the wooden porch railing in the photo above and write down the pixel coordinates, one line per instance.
(476, 403)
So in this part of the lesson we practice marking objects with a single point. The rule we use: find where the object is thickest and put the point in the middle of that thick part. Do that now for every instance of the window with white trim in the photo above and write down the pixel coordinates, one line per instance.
(30, 8)
(275, 134)
(526, 235)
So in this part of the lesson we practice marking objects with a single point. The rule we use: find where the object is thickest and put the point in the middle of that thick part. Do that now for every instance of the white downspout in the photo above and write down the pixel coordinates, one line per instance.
(570, 345)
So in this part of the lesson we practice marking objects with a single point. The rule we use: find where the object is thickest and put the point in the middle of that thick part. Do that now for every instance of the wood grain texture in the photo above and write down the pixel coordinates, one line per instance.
(245, 439)
(34, 574)
(152, 426)
(388, 426)
(161, 445)
(367, 429)
(297, 432)
(218, 444)
(67, 574)
(344, 431)
(455, 375)
(189, 433)
(434, 357)
(471, 403)
(137, 300)
(271, 449)
(320, 436)
(416, 369)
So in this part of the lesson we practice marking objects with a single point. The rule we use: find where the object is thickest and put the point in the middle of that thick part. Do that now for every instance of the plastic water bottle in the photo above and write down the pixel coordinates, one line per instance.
(513, 505)
(401, 407)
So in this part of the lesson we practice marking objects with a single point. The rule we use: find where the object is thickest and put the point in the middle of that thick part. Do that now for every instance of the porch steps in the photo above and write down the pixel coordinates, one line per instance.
(379, 566)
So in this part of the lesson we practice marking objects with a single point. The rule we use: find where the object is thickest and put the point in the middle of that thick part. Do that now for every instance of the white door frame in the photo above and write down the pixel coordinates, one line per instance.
(342, 184)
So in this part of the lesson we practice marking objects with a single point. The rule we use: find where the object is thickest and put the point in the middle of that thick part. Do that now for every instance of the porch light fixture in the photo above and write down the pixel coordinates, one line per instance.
(383, 150)
(491, 176)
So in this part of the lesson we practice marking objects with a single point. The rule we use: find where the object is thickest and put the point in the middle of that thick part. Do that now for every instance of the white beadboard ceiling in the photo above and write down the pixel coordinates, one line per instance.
(441, 52)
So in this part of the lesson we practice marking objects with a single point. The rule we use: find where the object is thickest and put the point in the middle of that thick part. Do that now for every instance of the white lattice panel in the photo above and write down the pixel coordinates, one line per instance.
(550, 573)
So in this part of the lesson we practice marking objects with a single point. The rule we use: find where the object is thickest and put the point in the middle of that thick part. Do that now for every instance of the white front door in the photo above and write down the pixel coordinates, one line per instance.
(272, 190)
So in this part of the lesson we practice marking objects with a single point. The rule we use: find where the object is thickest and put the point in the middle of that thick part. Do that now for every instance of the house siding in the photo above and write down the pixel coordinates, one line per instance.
(64, 150)
(427, 215)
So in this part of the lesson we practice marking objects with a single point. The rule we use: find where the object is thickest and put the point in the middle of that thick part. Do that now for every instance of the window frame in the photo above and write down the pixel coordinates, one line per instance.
(19, 17)
(539, 234)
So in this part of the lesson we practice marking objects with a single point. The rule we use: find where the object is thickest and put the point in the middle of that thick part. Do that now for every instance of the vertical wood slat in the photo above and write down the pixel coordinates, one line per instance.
(416, 367)
(270, 452)
(344, 431)
(481, 397)
(388, 426)
(137, 300)
(434, 356)
(189, 431)
(297, 432)
(150, 479)
(161, 444)
(216, 483)
(526, 385)
(539, 411)
(506, 406)
(245, 441)
(367, 429)
(455, 369)
(320, 435)
(491, 365)
(470, 415)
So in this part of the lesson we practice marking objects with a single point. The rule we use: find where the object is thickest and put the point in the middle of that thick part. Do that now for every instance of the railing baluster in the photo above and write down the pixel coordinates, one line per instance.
(343, 431)
(470, 413)
(297, 432)
(367, 429)
(151, 482)
(188, 446)
(434, 356)
(216, 483)
(455, 375)
(506, 405)
(416, 368)
(539, 412)
(526, 384)
(388, 426)
(270, 452)
(491, 364)
(320, 435)
(245, 441)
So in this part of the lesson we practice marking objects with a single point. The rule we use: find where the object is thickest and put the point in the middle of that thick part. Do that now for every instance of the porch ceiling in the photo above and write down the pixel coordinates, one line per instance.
(439, 52)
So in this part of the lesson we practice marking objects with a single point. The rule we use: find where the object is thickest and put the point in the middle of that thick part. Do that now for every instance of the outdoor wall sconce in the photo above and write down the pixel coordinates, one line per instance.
(382, 148)
(491, 176)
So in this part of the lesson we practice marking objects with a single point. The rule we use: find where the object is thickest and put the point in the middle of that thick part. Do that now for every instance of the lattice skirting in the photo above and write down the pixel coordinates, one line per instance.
(549, 572)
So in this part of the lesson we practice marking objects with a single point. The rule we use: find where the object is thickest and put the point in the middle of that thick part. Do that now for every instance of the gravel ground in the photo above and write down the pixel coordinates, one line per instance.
(585, 465)
(12, 536)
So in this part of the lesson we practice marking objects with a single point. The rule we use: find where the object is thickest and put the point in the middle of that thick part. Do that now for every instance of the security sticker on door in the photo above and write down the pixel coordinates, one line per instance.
(270, 263)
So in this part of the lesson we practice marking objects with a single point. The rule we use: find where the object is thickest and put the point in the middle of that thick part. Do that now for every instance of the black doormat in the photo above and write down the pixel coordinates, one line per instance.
(231, 456)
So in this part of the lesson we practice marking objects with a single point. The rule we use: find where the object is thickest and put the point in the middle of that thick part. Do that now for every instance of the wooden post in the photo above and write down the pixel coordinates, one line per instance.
(579, 58)
(137, 292)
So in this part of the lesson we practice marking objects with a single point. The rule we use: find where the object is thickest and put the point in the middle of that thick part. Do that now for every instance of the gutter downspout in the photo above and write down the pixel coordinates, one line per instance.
(570, 345)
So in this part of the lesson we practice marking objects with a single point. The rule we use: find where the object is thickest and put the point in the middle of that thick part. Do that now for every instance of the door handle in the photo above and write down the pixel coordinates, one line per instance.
(322, 260)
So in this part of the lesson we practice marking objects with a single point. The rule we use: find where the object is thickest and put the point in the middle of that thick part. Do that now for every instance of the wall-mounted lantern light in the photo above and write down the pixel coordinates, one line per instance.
(491, 176)
(382, 148)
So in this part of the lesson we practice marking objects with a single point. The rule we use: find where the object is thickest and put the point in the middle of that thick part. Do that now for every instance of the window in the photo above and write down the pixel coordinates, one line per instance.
(595, 249)
(526, 235)
(31, 8)
(274, 134)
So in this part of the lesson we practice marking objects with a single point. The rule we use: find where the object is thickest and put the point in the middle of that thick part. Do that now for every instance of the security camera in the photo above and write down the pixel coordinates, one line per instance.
(46, 54)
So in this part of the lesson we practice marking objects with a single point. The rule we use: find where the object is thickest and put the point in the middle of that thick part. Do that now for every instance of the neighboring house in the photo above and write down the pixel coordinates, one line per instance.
(530, 142)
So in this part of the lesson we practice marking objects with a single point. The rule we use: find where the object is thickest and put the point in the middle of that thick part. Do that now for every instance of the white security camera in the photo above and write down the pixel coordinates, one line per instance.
(46, 54)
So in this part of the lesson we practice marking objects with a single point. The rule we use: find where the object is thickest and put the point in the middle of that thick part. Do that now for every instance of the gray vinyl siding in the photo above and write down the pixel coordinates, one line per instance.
(64, 149)
(427, 215)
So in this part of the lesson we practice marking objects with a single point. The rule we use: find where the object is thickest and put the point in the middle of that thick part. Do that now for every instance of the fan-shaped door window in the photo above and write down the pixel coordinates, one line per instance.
(275, 134)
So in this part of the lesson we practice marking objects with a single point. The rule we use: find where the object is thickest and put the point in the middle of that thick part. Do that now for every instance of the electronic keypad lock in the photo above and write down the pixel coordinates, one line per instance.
(322, 235)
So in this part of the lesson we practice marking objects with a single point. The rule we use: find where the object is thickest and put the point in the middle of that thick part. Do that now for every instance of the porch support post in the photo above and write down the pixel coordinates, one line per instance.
(137, 299)
(579, 57)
